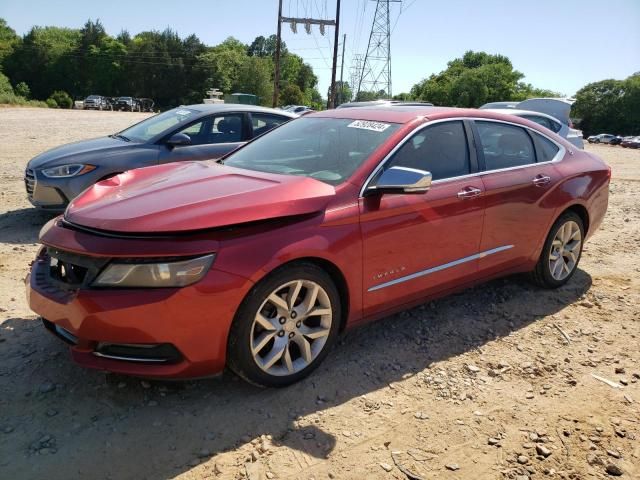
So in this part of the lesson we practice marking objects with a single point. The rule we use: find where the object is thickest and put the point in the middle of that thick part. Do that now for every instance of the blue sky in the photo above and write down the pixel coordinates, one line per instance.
(558, 44)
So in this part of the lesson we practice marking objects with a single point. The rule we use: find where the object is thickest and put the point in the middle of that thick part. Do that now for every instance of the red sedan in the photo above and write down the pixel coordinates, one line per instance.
(330, 220)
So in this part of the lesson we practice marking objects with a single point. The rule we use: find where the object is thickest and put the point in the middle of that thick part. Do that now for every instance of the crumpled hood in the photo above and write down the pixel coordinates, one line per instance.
(188, 196)
(80, 151)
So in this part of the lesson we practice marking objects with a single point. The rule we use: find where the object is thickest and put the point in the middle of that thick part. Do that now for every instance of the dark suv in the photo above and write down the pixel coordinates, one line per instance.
(128, 104)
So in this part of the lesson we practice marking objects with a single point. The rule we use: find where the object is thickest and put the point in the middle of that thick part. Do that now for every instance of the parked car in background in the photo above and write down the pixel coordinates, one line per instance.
(96, 102)
(557, 108)
(631, 142)
(129, 104)
(298, 109)
(617, 140)
(336, 218)
(498, 105)
(146, 104)
(547, 121)
(383, 103)
(195, 132)
(601, 138)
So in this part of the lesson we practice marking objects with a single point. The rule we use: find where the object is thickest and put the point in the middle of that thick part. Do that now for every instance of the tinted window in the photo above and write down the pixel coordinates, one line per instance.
(505, 146)
(545, 148)
(440, 149)
(263, 122)
(327, 149)
(219, 129)
(545, 122)
(149, 128)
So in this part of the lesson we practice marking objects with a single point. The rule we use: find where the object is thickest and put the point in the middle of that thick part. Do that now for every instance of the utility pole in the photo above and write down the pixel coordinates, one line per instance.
(344, 41)
(331, 101)
(307, 22)
(276, 81)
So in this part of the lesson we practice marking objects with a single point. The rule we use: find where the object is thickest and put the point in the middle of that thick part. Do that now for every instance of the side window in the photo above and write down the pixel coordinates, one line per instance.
(440, 149)
(545, 122)
(545, 148)
(225, 129)
(505, 146)
(195, 132)
(263, 122)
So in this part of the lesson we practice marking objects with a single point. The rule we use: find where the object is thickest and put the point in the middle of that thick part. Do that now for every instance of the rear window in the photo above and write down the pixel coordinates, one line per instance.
(546, 149)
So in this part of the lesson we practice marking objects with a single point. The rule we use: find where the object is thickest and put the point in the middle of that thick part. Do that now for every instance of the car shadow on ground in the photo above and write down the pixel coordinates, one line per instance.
(87, 422)
(23, 225)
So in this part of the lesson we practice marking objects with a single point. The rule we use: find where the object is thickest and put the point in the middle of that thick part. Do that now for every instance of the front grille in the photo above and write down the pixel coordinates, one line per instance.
(29, 181)
(71, 271)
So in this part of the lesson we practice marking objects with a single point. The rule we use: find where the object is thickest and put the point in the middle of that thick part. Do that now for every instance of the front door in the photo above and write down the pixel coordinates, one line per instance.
(417, 244)
(211, 138)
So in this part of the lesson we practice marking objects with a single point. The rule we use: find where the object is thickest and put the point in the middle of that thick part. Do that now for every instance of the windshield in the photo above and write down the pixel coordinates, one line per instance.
(124, 98)
(151, 127)
(93, 97)
(327, 149)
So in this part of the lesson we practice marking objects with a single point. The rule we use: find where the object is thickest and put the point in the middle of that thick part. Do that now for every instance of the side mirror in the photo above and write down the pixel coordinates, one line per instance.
(401, 180)
(178, 139)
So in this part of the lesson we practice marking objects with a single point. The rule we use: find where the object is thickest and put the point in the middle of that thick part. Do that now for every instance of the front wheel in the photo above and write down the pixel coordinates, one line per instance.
(285, 326)
(561, 252)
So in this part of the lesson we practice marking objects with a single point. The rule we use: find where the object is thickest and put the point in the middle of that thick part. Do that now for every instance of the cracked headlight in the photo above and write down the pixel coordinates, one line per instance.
(162, 274)
(71, 170)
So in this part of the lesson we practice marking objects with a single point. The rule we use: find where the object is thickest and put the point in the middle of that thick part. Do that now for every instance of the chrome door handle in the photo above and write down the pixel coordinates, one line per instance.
(469, 192)
(541, 180)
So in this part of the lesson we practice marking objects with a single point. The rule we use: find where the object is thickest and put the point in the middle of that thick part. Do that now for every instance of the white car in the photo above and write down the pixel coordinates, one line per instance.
(572, 135)
(602, 138)
(552, 113)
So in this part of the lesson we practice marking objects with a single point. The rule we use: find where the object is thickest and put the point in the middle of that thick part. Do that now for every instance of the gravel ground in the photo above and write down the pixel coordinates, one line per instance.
(498, 381)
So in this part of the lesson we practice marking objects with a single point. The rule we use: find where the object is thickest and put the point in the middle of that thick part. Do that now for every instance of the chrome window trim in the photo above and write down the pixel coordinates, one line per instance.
(558, 157)
(444, 266)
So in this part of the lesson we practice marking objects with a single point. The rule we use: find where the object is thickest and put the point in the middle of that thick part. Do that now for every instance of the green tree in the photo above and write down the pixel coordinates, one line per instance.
(611, 106)
(254, 77)
(23, 90)
(5, 85)
(291, 95)
(43, 60)
(62, 99)
(470, 81)
(8, 40)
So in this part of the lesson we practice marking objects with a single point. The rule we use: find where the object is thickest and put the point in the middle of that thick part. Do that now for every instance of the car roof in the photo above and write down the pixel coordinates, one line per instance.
(408, 113)
(518, 112)
(236, 107)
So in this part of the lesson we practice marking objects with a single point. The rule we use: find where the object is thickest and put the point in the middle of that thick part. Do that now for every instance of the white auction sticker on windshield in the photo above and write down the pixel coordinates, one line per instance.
(367, 125)
(183, 112)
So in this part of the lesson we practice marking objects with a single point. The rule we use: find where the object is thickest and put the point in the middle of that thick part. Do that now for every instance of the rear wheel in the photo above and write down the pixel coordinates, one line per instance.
(561, 252)
(285, 326)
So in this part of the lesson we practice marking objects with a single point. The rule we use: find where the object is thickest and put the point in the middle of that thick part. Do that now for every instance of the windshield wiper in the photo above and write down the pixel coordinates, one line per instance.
(120, 136)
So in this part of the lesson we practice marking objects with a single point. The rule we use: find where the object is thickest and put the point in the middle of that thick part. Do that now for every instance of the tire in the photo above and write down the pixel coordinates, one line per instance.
(566, 247)
(289, 327)
(596, 141)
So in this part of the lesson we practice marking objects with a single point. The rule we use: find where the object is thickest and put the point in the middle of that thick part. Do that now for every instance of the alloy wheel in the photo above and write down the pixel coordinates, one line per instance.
(565, 250)
(291, 327)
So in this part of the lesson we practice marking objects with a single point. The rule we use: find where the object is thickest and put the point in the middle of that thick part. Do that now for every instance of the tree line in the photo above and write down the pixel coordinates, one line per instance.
(160, 65)
(57, 65)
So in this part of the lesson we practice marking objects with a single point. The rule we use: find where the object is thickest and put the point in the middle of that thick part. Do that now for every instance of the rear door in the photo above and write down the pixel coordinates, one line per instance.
(519, 173)
(211, 138)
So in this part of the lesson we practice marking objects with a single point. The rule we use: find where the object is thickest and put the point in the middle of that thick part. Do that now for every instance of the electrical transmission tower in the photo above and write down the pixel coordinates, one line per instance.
(356, 71)
(376, 66)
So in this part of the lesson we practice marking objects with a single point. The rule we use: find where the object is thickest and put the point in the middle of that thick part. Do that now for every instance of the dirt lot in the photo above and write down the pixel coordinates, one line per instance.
(495, 382)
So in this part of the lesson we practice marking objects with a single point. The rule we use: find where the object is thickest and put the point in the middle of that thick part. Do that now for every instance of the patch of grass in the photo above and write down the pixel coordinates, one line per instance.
(17, 100)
